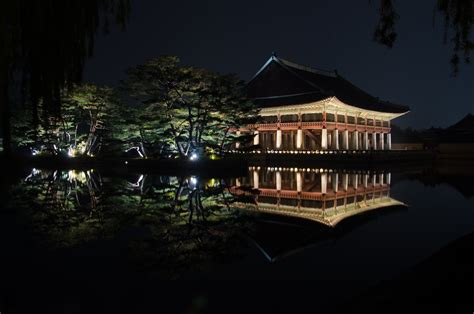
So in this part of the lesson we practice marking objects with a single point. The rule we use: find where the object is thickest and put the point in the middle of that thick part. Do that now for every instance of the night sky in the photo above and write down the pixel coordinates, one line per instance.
(239, 36)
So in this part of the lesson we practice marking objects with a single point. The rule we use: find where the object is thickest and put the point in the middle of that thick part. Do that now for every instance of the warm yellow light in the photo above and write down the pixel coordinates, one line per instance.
(71, 152)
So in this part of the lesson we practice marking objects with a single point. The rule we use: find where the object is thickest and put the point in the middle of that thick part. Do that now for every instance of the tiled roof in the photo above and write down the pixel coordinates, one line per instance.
(280, 82)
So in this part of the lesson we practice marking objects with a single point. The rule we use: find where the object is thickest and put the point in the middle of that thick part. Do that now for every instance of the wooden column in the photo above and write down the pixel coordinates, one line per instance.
(324, 182)
(335, 182)
(299, 139)
(374, 141)
(278, 132)
(345, 181)
(345, 140)
(278, 139)
(381, 138)
(255, 179)
(355, 181)
(256, 139)
(278, 180)
(335, 140)
(237, 144)
(299, 182)
(324, 138)
(366, 140)
(355, 137)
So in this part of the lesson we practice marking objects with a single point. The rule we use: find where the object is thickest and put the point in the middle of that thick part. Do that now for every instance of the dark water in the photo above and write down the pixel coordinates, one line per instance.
(83, 241)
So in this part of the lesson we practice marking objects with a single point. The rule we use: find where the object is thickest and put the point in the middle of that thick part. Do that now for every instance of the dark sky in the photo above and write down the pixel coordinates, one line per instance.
(239, 36)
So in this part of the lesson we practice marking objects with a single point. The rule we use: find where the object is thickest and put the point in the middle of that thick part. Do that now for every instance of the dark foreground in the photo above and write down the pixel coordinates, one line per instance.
(442, 283)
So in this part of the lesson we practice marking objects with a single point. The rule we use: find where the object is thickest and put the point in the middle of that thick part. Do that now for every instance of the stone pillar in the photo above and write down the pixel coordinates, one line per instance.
(237, 182)
(355, 181)
(255, 179)
(381, 138)
(299, 139)
(355, 136)
(374, 141)
(388, 178)
(299, 182)
(256, 139)
(389, 141)
(366, 180)
(278, 139)
(381, 178)
(366, 140)
(324, 139)
(345, 181)
(335, 182)
(335, 141)
(278, 180)
(345, 140)
(237, 144)
(324, 182)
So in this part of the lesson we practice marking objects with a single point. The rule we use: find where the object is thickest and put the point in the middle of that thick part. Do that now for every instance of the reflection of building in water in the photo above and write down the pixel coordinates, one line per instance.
(316, 194)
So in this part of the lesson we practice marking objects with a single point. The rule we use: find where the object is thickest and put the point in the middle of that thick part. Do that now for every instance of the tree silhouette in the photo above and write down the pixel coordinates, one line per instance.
(43, 47)
(458, 18)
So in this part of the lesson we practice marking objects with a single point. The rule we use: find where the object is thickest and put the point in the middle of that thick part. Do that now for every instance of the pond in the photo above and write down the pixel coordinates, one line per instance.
(87, 233)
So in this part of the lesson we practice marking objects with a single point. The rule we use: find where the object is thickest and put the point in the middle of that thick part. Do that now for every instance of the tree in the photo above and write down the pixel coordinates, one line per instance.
(43, 47)
(92, 118)
(192, 109)
(458, 18)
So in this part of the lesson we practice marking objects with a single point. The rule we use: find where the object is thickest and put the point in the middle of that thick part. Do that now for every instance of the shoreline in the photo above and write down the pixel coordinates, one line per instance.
(236, 163)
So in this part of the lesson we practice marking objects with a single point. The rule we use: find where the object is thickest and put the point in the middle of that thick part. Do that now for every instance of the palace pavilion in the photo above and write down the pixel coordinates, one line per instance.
(305, 109)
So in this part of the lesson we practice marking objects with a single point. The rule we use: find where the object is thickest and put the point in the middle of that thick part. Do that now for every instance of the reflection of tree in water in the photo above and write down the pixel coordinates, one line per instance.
(182, 223)
(64, 206)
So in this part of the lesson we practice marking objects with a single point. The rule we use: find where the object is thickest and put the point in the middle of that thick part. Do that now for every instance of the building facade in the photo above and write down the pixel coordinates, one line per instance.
(305, 109)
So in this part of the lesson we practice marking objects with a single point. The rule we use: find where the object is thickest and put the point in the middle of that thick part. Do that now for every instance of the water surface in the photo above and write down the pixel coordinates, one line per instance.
(346, 229)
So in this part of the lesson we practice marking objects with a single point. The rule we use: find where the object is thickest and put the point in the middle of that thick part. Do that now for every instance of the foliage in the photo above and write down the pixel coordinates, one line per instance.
(385, 31)
(189, 109)
(180, 111)
(43, 47)
(458, 18)
(92, 118)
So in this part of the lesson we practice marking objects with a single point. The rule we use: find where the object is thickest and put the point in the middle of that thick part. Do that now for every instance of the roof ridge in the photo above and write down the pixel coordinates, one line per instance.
(272, 58)
(287, 95)
(288, 68)
(307, 68)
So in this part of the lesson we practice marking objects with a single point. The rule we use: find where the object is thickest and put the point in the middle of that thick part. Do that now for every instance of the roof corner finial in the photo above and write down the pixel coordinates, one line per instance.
(274, 55)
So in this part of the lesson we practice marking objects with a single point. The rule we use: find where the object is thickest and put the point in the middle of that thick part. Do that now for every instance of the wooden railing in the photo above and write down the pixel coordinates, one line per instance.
(330, 195)
(317, 125)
